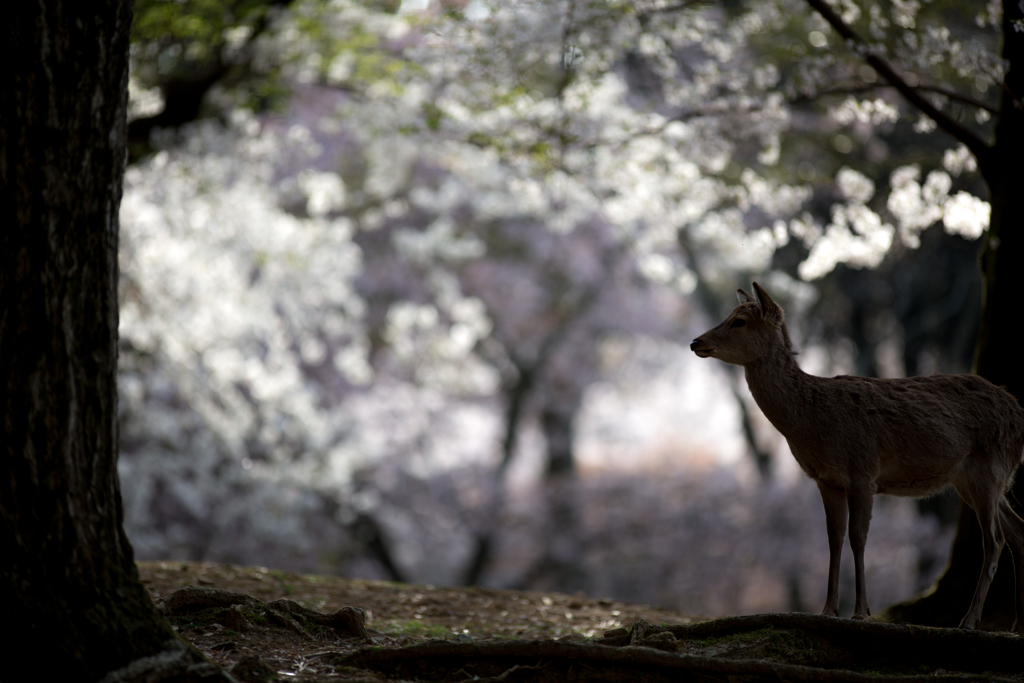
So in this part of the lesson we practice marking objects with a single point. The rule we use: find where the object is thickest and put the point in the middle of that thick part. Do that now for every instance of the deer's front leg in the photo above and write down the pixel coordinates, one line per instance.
(860, 498)
(835, 521)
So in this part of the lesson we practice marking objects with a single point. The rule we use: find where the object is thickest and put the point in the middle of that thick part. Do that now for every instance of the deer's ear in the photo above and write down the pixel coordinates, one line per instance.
(770, 310)
(744, 296)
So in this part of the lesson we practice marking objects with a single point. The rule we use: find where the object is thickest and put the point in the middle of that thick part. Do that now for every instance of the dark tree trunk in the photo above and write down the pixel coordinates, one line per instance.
(69, 588)
(559, 568)
(556, 423)
(998, 351)
(999, 346)
(517, 391)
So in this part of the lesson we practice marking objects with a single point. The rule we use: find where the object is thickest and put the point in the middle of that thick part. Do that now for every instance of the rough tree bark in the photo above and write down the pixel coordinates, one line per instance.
(69, 588)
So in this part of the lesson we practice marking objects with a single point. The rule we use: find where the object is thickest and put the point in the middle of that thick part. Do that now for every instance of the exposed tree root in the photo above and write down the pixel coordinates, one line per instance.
(237, 611)
(831, 642)
(178, 662)
(252, 669)
(772, 647)
(195, 598)
(348, 621)
(764, 647)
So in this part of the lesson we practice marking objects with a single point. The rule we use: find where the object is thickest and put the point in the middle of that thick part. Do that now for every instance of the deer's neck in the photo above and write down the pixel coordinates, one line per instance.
(780, 388)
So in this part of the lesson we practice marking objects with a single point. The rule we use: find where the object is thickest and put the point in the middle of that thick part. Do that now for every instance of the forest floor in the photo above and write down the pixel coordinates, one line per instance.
(267, 625)
(396, 614)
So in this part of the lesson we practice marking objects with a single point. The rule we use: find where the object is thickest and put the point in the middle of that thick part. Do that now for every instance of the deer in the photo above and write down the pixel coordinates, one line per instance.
(858, 436)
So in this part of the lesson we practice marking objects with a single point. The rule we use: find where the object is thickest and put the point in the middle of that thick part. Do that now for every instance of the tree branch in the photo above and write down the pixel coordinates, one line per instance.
(958, 97)
(974, 143)
(860, 89)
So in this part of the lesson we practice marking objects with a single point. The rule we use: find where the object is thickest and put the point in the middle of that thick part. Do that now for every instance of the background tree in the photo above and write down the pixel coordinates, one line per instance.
(323, 302)
(68, 582)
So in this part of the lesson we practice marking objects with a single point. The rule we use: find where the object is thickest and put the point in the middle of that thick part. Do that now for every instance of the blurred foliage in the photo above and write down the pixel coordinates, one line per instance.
(186, 47)
(192, 22)
(447, 228)
(170, 37)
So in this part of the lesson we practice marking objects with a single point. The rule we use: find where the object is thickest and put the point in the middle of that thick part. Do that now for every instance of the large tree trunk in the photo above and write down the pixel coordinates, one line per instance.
(73, 605)
(999, 347)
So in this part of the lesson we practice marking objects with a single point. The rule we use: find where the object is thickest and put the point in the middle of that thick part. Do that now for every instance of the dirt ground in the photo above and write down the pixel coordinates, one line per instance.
(396, 615)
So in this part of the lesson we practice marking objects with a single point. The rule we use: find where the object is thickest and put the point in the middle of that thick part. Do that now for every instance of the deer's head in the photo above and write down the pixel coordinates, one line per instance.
(754, 329)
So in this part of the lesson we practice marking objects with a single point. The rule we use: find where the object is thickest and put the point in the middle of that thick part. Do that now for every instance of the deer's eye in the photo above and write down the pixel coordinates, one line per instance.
(738, 322)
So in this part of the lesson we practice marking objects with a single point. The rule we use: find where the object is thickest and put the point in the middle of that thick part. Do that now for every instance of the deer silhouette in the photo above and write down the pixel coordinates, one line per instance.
(858, 436)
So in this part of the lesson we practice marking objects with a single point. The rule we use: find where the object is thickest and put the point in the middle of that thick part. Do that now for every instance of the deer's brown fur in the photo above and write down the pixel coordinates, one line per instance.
(858, 436)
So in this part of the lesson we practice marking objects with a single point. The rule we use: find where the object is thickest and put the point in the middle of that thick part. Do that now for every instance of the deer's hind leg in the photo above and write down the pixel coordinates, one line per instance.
(860, 498)
(984, 500)
(1013, 530)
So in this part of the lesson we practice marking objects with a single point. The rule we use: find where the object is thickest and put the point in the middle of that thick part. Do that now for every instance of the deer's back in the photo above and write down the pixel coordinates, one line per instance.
(909, 435)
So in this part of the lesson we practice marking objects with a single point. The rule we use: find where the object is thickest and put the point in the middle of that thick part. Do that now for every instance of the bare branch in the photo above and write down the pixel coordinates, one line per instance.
(863, 88)
(958, 97)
